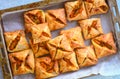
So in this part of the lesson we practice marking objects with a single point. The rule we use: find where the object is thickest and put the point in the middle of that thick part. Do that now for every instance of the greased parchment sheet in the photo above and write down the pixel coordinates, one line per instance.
(108, 66)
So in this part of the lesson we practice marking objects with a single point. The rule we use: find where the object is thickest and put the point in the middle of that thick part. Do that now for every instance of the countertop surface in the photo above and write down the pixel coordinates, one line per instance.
(12, 3)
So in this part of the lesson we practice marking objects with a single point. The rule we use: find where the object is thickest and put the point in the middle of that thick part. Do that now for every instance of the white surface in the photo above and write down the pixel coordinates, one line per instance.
(108, 66)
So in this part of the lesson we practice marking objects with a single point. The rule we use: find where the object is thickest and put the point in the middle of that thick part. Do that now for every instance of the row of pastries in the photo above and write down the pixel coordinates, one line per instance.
(56, 18)
(48, 57)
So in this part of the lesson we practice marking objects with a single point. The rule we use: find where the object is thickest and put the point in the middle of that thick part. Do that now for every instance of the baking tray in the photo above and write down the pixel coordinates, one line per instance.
(4, 61)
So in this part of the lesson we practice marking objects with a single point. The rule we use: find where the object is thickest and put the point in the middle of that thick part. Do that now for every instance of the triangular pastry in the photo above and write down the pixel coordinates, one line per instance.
(75, 37)
(22, 62)
(16, 41)
(104, 45)
(91, 28)
(59, 47)
(56, 19)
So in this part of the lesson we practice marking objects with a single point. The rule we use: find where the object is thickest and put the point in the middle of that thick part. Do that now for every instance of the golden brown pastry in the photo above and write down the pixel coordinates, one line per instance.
(94, 7)
(16, 41)
(75, 37)
(22, 62)
(104, 45)
(56, 19)
(68, 63)
(59, 47)
(86, 56)
(39, 49)
(75, 10)
(40, 33)
(33, 17)
(91, 28)
(46, 68)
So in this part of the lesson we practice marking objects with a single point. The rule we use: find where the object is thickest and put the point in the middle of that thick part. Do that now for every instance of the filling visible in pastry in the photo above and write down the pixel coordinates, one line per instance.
(22, 62)
(75, 37)
(86, 56)
(18, 63)
(59, 47)
(94, 7)
(27, 65)
(32, 18)
(39, 49)
(75, 10)
(46, 68)
(16, 41)
(104, 45)
(68, 63)
(40, 33)
(56, 19)
(91, 27)
(37, 19)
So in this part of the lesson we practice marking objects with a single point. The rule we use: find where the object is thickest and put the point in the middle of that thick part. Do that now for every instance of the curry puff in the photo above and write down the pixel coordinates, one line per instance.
(75, 10)
(68, 63)
(94, 7)
(59, 47)
(33, 17)
(91, 28)
(86, 56)
(56, 19)
(16, 41)
(40, 33)
(75, 37)
(39, 49)
(46, 68)
(22, 62)
(104, 45)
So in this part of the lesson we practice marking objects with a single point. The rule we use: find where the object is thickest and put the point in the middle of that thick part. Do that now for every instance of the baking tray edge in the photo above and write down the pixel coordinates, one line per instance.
(7, 73)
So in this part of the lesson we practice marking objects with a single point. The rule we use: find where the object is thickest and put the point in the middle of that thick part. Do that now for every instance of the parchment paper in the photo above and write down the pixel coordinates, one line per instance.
(108, 66)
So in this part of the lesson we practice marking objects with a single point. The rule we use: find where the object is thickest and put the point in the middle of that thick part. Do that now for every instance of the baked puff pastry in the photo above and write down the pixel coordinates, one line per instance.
(16, 41)
(75, 37)
(22, 62)
(91, 28)
(86, 56)
(39, 49)
(33, 17)
(68, 63)
(104, 45)
(94, 7)
(59, 47)
(75, 10)
(56, 19)
(40, 33)
(46, 68)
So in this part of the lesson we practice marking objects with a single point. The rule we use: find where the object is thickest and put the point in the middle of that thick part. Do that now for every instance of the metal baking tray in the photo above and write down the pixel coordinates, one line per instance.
(4, 61)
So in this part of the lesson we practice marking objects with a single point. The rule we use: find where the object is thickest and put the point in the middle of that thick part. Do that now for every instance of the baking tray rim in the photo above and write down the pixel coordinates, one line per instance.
(4, 59)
